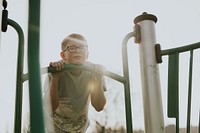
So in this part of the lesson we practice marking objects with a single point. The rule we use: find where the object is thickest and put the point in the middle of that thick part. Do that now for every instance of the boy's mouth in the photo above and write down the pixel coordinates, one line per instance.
(78, 57)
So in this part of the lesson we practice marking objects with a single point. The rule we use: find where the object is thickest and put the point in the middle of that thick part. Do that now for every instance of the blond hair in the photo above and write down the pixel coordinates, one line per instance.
(75, 38)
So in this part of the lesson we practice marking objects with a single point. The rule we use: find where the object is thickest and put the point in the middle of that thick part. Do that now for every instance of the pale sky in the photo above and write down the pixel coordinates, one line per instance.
(104, 23)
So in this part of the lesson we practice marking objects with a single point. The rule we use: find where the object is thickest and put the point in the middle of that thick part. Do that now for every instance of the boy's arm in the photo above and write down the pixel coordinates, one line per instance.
(98, 99)
(53, 86)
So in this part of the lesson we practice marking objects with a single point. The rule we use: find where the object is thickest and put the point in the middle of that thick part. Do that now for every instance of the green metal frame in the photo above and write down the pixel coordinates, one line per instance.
(34, 73)
(173, 82)
(19, 82)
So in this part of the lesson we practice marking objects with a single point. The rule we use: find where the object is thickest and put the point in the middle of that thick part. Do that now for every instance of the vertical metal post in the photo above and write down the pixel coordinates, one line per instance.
(127, 95)
(19, 82)
(189, 92)
(152, 101)
(173, 88)
(36, 110)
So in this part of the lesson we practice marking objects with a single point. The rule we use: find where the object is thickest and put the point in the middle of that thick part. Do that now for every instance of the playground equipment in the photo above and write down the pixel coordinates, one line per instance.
(150, 55)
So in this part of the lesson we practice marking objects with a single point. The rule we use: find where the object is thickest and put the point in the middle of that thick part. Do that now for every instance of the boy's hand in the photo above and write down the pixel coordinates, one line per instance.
(59, 65)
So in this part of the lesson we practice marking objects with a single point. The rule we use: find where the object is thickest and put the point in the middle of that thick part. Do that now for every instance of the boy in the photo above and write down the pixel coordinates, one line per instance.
(69, 92)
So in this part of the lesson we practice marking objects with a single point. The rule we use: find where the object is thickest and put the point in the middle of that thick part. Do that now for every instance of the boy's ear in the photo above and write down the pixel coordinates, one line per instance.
(62, 55)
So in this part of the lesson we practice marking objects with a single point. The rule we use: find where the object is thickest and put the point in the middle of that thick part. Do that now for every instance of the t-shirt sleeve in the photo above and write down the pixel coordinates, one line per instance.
(45, 92)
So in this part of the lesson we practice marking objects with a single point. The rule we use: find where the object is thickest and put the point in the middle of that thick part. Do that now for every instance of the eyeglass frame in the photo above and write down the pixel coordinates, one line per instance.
(83, 50)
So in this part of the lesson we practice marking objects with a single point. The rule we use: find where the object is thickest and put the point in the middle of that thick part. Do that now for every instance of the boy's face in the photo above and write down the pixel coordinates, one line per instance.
(75, 53)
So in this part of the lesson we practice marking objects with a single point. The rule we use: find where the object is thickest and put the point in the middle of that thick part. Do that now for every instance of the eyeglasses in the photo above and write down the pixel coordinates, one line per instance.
(73, 49)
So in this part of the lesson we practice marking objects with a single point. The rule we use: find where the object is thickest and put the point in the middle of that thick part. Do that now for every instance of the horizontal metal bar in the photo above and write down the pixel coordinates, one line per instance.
(181, 49)
(83, 67)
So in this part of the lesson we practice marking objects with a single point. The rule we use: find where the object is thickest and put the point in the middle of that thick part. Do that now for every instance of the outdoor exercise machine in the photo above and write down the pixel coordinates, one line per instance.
(150, 55)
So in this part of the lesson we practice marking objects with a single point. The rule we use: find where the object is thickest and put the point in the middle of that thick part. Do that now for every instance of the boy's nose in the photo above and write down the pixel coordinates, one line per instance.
(78, 50)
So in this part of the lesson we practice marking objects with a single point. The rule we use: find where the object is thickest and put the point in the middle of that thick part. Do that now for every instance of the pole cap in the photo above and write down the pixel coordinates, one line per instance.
(145, 16)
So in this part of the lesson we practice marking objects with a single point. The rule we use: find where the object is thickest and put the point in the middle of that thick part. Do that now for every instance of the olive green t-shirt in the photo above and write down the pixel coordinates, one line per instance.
(74, 98)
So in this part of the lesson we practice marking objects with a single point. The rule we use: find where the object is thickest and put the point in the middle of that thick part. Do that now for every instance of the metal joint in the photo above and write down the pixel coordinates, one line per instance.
(137, 33)
(4, 24)
(158, 53)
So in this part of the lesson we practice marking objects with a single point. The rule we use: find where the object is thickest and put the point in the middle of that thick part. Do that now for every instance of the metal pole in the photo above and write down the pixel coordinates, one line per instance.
(127, 94)
(36, 110)
(151, 89)
(19, 82)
